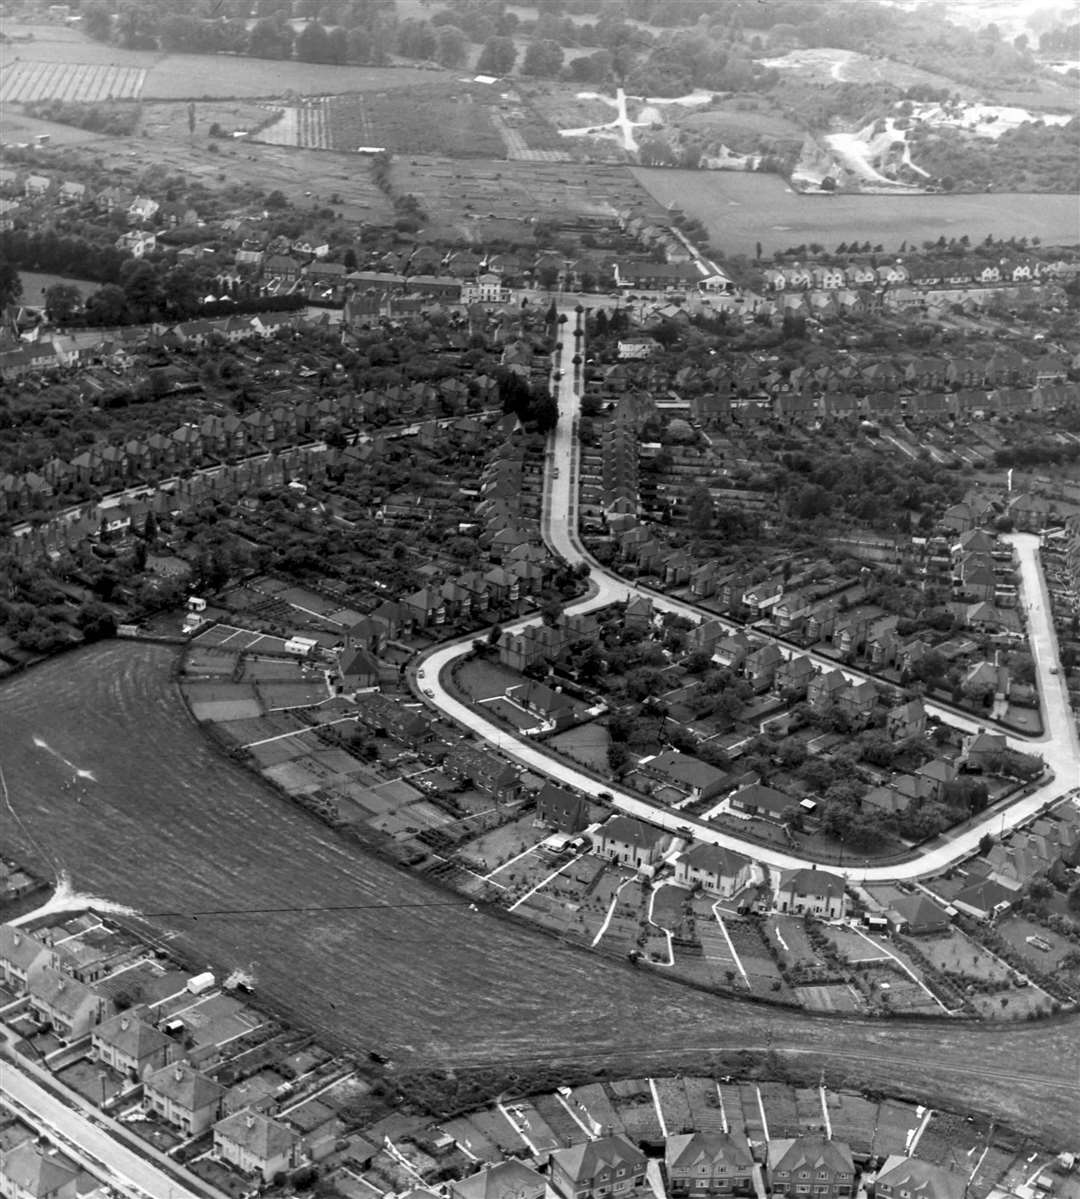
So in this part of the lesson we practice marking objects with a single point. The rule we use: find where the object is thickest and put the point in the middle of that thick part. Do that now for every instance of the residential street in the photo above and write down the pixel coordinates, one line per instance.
(88, 1141)
(1058, 745)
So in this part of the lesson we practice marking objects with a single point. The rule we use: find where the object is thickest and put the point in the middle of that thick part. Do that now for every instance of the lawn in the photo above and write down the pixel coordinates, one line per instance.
(586, 744)
(895, 1123)
(512, 715)
(958, 954)
(482, 679)
(789, 936)
(1016, 930)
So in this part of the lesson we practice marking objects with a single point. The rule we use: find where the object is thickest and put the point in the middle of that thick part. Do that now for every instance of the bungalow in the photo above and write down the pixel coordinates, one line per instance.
(184, 1098)
(562, 810)
(256, 1144)
(72, 193)
(688, 774)
(703, 1164)
(37, 186)
(552, 706)
(985, 899)
(131, 1046)
(917, 915)
(758, 800)
(718, 870)
(812, 893)
(630, 842)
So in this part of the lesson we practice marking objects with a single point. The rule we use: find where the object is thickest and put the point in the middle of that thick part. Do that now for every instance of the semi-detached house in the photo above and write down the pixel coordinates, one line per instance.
(630, 842)
(608, 1166)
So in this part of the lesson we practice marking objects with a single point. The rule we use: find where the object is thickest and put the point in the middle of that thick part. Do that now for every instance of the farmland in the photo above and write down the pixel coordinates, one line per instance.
(207, 76)
(71, 82)
(731, 203)
(171, 826)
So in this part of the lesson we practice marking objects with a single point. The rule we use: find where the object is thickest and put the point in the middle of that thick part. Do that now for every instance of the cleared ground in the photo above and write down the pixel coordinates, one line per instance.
(172, 827)
(741, 209)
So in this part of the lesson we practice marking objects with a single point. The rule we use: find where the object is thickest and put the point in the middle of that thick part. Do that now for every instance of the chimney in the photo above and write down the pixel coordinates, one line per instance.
(178, 1073)
(125, 1024)
(250, 1119)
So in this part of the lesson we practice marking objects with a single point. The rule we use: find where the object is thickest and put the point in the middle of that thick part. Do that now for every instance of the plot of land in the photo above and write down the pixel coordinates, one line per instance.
(73, 82)
(587, 744)
(835, 998)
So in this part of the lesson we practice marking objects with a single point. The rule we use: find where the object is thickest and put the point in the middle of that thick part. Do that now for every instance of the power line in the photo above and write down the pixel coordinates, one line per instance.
(343, 907)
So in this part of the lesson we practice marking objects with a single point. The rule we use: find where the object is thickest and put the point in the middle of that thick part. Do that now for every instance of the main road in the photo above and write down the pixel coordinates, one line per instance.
(1058, 745)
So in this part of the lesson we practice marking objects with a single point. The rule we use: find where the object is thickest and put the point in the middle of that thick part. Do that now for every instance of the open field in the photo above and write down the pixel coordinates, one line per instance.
(200, 76)
(71, 82)
(35, 283)
(731, 204)
(173, 827)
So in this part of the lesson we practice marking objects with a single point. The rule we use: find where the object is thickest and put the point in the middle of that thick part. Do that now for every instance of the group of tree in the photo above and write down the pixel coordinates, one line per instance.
(531, 402)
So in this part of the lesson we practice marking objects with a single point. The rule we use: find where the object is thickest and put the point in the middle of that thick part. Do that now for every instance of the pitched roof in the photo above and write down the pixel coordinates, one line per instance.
(129, 1035)
(629, 831)
(921, 1180)
(714, 859)
(812, 882)
(262, 1137)
(510, 1177)
(33, 1172)
(810, 1152)
(185, 1086)
(19, 947)
(707, 1148)
(584, 1160)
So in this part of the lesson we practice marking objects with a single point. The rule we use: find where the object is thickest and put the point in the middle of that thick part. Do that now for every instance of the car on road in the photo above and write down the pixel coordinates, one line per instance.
(429, 693)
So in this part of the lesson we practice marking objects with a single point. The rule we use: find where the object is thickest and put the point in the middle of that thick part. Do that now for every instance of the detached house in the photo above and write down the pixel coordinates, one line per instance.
(561, 810)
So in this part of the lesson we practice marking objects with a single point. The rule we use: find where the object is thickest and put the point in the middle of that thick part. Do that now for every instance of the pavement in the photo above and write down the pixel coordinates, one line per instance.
(1058, 745)
(91, 1139)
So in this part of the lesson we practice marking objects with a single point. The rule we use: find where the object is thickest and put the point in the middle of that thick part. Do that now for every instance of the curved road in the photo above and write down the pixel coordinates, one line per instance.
(1058, 746)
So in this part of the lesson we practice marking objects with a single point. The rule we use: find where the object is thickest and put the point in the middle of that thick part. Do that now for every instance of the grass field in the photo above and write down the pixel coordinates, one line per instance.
(34, 283)
(199, 76)
(174, 826)
(741, 209)
(587, 744)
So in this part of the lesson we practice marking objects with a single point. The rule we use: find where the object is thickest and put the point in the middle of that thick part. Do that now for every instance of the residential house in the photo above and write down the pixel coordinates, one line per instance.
(131, 1046)
(565, 811)
(985, 899)
(30, 1172)
(608, 1166)
(937, 773)
(71, 193)
(37, 186)
(720, 871)
(704, 638)
(256, 1144)
(911, 1178)
(142, 209)
(684, 772)
(856, 701)
(358, 668)
(755, 799)
(700, 1165)
(70, 1008)
(812, 892)
(824, 689)
(23, 958)
(483, 770)
(510, 1179)
(630, 842)
(917, 915)
(136, 242)
(982, 750)
(552, 706)
(761, 666)
(183, 1097)
(906, 720)
(793, 677)
(811, 1165)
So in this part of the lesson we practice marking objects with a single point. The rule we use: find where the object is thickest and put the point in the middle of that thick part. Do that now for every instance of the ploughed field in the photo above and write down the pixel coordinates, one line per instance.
(171, 826)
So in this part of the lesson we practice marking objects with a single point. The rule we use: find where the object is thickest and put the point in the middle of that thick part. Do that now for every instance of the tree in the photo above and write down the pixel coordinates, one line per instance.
(142, 287)
(97, 20)
(313, 44)
(452, 47)
(497, 57)
(10, 283)
(62, 300)
(107, 306)
(270, 39)
(542, 58)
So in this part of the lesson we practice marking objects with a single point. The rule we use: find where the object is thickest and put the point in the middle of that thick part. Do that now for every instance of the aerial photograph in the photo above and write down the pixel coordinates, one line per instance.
(540, 599)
